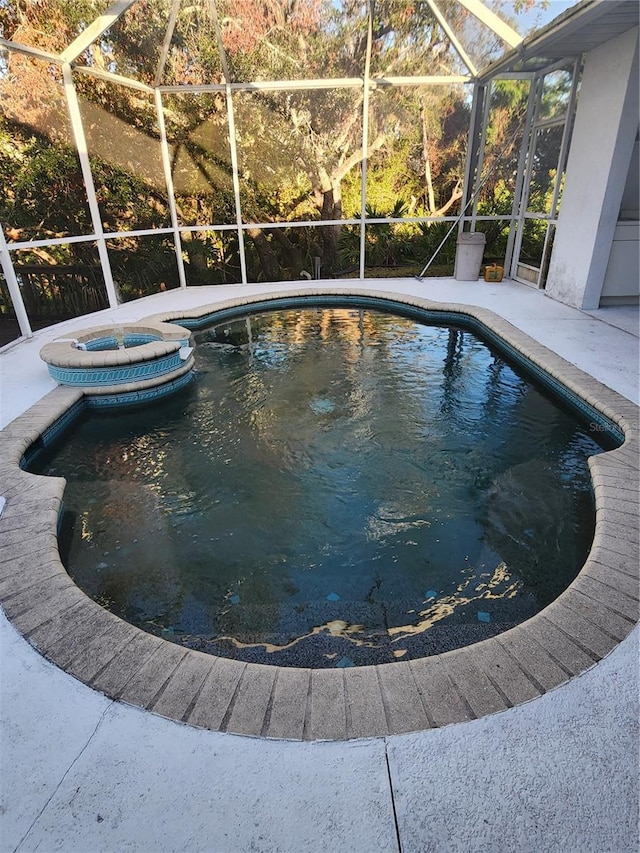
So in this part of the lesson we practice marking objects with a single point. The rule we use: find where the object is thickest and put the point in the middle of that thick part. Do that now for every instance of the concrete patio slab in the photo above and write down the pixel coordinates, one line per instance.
(557, 773)
(42, 732)
(101, 776)
(531, 779)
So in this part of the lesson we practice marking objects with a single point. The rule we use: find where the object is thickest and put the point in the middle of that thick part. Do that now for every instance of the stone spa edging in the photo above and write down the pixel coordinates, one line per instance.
(154, 360)
(572, 634)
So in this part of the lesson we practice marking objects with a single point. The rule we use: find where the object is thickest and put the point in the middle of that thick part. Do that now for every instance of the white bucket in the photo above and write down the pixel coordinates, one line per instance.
(469, 252)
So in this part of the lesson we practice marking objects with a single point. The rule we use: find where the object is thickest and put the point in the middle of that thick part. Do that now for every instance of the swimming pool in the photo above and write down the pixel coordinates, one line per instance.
(570, 635)
(344, 486)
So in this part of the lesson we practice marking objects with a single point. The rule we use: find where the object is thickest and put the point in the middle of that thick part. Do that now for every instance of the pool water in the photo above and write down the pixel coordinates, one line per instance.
(119, 341)
(339, 487)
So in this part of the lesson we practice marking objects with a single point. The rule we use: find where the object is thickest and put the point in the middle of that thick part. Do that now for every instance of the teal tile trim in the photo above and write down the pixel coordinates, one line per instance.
(53, 433)
(132, 398)
(102, 376)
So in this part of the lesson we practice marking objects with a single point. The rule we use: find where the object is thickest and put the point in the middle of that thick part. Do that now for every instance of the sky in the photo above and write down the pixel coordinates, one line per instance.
(537, 18)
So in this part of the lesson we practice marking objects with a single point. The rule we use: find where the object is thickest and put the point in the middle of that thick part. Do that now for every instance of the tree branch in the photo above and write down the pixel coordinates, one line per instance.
(358, 157)
(455, 195)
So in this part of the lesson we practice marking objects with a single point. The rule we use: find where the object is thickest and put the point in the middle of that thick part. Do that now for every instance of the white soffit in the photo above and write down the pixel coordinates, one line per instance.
(578, 30)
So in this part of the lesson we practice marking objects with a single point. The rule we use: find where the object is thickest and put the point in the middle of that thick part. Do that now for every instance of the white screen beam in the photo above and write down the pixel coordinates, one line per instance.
(452, 38)
(491, 20)
(95, 30)
(14, 288)
(83, 155)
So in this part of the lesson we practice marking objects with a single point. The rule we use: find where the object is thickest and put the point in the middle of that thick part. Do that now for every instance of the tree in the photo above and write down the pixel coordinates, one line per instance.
(300, 152)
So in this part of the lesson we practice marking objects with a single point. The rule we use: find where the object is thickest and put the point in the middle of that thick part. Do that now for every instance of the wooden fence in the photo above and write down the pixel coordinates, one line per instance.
(55, 292)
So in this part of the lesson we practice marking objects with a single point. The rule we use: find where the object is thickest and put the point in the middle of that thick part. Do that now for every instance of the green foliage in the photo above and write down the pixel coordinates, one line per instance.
(126, 202)
(50, 24)
(43, 194)
(41, 187)
(533, 236)
(211, 257)
(143, 265)
(398, 244)
(431, 235)
(300, 152)
(498, 203)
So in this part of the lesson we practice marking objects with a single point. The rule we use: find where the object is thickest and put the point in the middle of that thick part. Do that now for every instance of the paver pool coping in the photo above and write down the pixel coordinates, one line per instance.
(116, 376)
(572, 634)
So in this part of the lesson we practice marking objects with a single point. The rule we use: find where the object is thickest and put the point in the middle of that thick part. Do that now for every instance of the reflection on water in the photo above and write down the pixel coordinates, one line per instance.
(339, 487)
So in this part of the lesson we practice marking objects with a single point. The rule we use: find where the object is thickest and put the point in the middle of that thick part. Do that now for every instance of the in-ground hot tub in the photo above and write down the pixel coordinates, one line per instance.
(582, 625)
(122, 364)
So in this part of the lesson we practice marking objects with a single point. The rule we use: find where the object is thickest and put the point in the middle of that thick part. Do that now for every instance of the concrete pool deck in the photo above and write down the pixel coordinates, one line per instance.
(576, 745)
